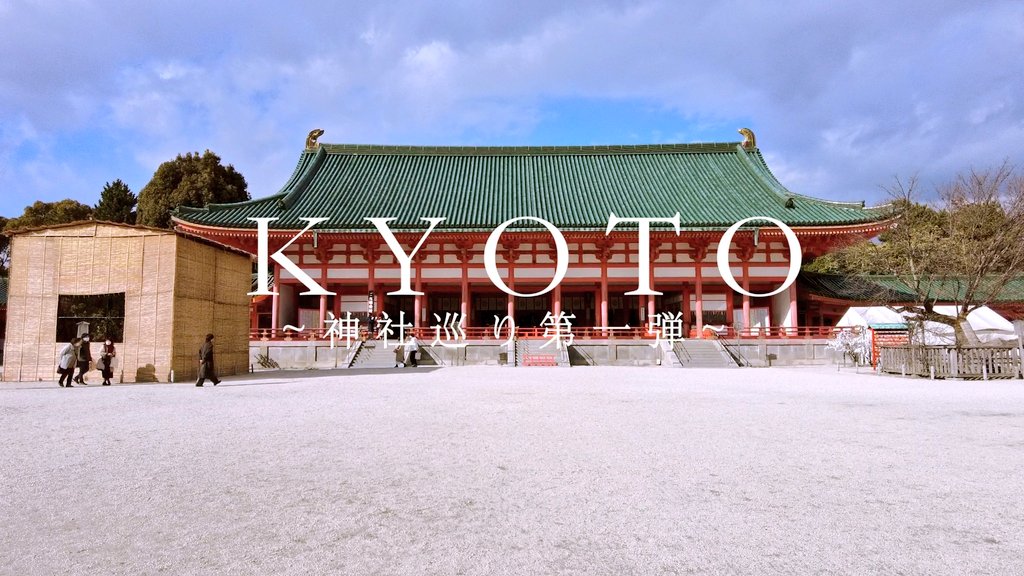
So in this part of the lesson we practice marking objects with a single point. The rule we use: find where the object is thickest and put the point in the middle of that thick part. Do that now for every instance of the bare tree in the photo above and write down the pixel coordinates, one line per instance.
(964, 250)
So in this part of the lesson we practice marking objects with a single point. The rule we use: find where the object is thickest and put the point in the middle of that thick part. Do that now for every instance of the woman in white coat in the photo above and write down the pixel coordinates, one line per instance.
(412, 348)
(67, 361)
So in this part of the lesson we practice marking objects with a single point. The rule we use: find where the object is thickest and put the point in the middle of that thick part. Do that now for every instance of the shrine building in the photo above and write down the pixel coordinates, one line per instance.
(576, 188)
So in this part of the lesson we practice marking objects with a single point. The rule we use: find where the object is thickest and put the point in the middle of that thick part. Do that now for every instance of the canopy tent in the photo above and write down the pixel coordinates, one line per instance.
(989, 326)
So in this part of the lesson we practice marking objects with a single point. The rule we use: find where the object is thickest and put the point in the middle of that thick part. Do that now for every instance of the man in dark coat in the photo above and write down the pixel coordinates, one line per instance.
(84, 358)
(206, 369)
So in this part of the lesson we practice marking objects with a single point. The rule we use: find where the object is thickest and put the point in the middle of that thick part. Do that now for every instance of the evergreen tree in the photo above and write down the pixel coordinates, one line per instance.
(117, 203)
(4, 245)
(190, 180)
(40, 214)
(50, 214)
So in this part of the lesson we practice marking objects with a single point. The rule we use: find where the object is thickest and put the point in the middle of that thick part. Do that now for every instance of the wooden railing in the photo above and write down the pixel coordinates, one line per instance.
(951, 362)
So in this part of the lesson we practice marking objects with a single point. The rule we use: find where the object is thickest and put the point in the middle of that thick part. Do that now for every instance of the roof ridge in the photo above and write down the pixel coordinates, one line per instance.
(778, 191)
(299, 185)
(85, 222)
(567, 150)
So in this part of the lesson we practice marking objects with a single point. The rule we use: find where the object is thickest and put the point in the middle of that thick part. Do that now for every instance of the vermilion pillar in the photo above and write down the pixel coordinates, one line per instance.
(746, 299)
(603, 296)
(729, 304)
(511, 256)
(651, 299)
(417, 303)
(275, 300)
(464, 305)
(699, 307)
(793, 320)
(686, 309)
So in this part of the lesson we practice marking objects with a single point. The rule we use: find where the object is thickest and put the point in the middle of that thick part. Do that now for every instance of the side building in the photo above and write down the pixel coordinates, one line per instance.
(153, 291)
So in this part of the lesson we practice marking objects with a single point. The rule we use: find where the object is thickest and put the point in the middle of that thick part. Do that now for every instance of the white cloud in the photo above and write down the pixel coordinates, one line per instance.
(841, 96)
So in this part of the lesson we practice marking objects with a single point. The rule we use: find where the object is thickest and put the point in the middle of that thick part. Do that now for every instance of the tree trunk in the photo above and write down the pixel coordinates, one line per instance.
(965, 336)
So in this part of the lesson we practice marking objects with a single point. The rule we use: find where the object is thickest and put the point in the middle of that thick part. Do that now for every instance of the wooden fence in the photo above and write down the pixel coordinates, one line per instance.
(951, 362)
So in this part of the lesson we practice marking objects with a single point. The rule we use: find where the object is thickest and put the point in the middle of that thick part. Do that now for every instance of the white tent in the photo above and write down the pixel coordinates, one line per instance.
(987, 323)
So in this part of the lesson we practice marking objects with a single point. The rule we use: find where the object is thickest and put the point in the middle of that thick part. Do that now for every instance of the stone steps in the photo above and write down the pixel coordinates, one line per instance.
(705, 354)
(373, 354)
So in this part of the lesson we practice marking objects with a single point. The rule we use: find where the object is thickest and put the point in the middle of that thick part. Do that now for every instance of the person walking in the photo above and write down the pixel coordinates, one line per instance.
(66, 363)
(371, 327)
(206, 367)
(106, 362)
(412, 348)
(84, 359)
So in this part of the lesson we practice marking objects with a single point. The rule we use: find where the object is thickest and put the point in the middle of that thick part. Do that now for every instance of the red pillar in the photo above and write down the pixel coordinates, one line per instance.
(604, 296)
(793, 320)
(323, 313)
(686, 310)
(510, 256)
(417, 303)
(699, 307)
(746, 308)
(275, 302)
(464, 305)
(556, 300)
(746, 299)
(651, 299)
(730, 303)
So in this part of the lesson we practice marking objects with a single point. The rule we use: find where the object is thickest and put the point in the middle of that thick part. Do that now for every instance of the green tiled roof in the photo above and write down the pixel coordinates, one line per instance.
(891, 289)
(576, 188)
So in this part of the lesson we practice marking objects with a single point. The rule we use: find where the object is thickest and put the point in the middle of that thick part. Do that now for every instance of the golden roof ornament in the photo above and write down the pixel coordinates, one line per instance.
(749, 140)
(311, 143)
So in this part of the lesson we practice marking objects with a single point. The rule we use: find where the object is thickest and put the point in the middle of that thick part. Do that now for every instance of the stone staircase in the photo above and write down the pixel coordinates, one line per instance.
(530, 353)
(373, 354)
(704, 354)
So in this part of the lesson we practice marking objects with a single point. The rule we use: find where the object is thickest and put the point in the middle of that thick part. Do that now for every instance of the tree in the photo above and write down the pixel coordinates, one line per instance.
(189, 180)
(965, 250)
(50, 214)
(5, 253)
(40, 214)
(117, 203)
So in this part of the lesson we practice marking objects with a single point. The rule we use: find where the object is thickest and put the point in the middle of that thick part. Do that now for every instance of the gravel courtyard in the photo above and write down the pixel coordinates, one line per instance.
(515, 471)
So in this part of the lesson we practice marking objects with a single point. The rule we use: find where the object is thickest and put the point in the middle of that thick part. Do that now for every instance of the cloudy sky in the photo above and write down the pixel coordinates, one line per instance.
(842, 97)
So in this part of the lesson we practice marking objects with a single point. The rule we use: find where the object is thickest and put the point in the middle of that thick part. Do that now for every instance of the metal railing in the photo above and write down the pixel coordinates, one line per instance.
(732, 348)
(682, 354)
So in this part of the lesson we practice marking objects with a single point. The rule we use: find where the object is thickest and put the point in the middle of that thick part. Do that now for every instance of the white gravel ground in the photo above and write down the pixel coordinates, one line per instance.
(516, 471)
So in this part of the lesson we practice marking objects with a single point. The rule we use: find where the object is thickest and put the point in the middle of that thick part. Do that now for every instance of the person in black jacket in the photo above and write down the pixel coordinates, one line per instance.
(206, 367)
(106, 362)
(84, 358)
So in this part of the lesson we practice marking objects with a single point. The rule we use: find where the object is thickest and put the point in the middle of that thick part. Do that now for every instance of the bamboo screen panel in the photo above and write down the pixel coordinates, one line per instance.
(211, 289)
